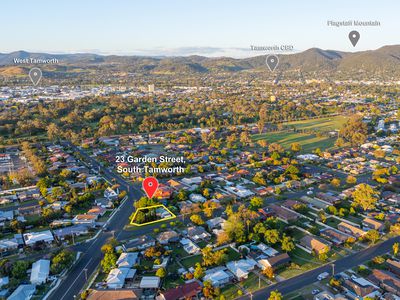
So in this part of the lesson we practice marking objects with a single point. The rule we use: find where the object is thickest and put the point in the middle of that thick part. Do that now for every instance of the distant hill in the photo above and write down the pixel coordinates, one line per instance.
(383, 59)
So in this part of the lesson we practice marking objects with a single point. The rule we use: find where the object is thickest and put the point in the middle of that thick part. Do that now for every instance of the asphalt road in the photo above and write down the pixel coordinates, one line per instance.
(310, 277)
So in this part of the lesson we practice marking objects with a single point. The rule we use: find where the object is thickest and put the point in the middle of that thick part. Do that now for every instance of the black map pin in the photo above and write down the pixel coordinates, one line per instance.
(272, 62)
(354, 36)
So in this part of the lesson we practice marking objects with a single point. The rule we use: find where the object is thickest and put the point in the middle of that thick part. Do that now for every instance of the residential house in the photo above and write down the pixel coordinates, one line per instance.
(127, 260)
(76, 230)
(215, 223)
(369, 223)
(8, 245)
(23, 292)
(275, 262)
(40, 271)
(125, 294)
(149, 282)
(85, 219)
(116, 278)
(394, 266)
(168, 236)
(350, 229)
(196, 198)
(185, 291)
(29, 210)
(189, 246)
(283, 213)
(360, 286)
(31, 238)
(241, 268)
(335, 236)
(387, 280)
(197, 233)
(315, 245)
(141, 243)
(218, 276)
(110, 194)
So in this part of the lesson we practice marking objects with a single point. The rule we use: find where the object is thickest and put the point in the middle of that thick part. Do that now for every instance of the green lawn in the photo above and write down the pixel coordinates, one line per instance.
(191, 261)
(304, 260)
(333, 222)
(253, 283)
(308, 141)
(230, 291)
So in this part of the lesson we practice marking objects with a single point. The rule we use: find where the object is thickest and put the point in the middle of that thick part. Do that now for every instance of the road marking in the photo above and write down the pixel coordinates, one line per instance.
(76, 278)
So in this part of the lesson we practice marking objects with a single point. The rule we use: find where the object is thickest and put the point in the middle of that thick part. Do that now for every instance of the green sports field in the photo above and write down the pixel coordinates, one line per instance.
(308, 141)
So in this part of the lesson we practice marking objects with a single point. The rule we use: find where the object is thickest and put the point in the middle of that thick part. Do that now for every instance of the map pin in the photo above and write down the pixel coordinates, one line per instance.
(35, 74)
(354, 36)
(272, 62)
(150, 186)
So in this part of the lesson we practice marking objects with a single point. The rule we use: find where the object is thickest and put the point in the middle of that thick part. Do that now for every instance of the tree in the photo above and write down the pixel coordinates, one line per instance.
(211, 257)
(161, 273)
(235, 228)
(275, 295)
(61, 261)
(275, 147)
(365, 196)
(271, 236)
(351, 180)
(222, 238)
(395, 248)
(335, 182)
(198, 271)
(109, 260)
(295, 147)
(287, 244)
(268, 272)
(256, 202)
(323, 255)
(209, 291)
(19, 269)
(354, 131)
(196, 219)
(372, 236)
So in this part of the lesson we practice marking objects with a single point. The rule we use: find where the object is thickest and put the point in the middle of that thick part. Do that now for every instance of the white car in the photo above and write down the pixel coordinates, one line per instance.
(314, 292)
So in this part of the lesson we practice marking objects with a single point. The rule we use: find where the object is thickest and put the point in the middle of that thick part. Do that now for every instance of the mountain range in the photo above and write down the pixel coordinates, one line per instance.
(384, 59)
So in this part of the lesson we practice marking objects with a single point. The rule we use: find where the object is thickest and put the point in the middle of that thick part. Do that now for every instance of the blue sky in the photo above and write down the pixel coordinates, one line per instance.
(183, 27)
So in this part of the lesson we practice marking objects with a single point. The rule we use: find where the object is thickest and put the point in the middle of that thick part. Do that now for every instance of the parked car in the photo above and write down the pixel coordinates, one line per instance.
(322, 276)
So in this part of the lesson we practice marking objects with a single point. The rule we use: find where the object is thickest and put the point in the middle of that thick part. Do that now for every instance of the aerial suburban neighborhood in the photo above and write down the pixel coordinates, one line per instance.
(198, 150)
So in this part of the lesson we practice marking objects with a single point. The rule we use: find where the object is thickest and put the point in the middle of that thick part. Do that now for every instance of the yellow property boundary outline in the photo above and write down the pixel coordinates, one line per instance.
(173, 216)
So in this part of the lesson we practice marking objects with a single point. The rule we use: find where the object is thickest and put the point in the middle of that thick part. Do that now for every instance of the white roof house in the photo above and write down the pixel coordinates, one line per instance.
(40, 271)
(116, 278)
(127, 260)
(33, 237)
(23, 292)
(150, 282)
(197, 198)
(4, 281)
(239, 191)
(218, 278)
(241, 268)
(8, 244)
(193, 180)
(189, 246)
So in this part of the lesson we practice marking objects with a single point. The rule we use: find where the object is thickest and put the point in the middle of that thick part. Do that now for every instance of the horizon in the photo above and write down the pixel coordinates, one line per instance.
(257, 53)
(225, 28)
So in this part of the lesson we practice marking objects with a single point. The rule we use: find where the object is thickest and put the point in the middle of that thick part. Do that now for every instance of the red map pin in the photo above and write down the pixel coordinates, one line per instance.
(150, 186)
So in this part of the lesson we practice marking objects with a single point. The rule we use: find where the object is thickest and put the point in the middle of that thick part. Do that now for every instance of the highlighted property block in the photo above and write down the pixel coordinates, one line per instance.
(158, 211)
